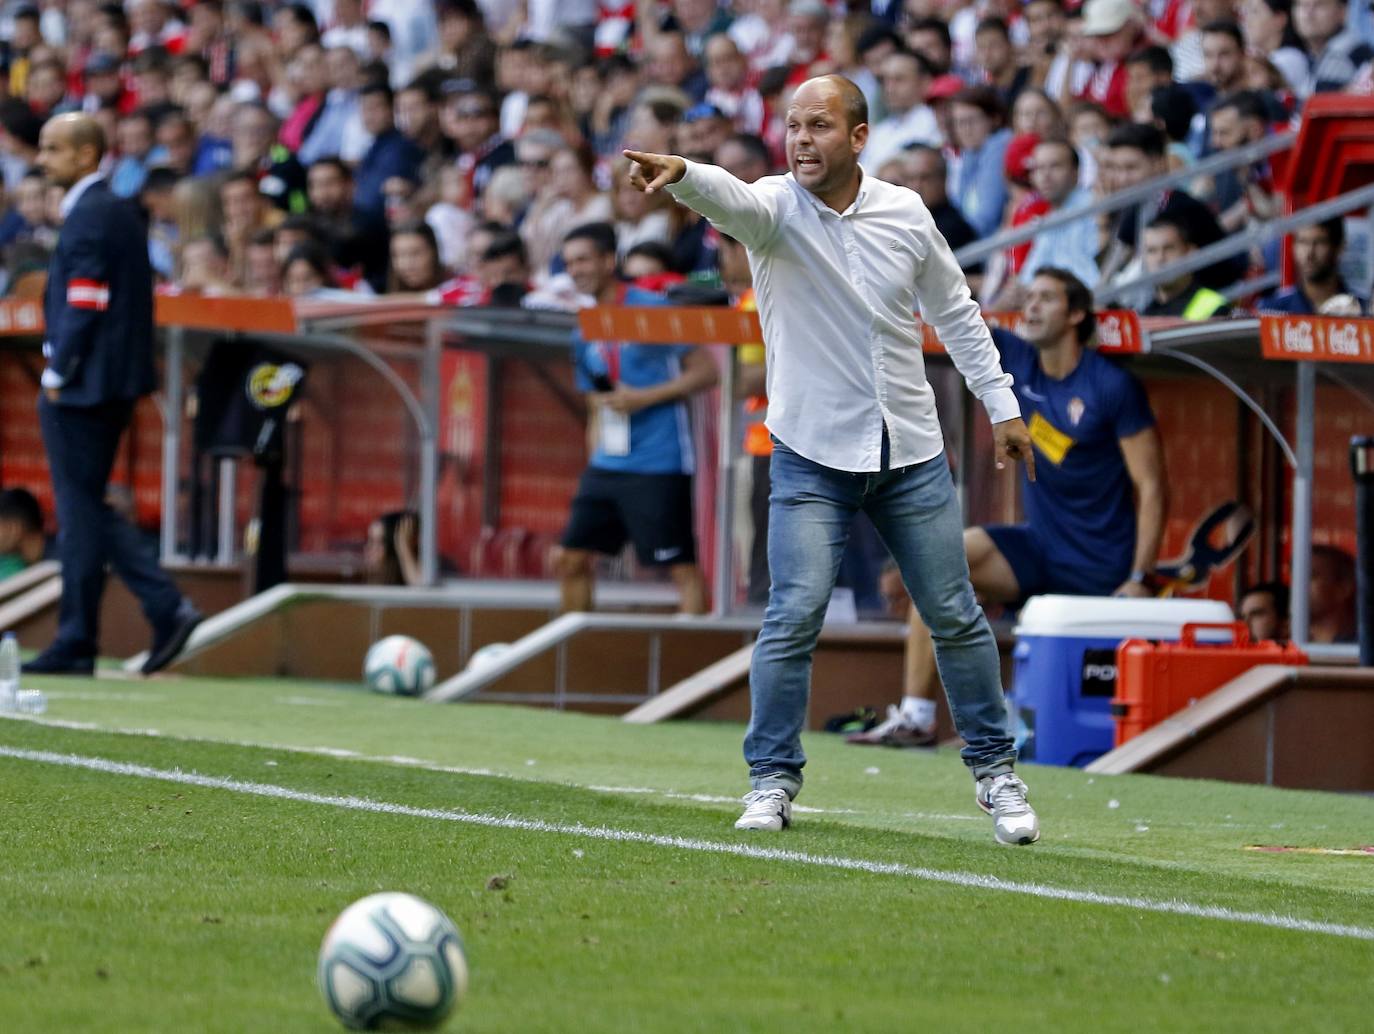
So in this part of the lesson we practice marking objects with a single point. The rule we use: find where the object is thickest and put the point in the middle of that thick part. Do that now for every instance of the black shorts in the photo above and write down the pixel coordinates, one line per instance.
(654, 511)
(1040, 570)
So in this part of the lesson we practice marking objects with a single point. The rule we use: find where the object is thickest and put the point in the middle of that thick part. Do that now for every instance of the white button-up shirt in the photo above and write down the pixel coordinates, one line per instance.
(836, 293)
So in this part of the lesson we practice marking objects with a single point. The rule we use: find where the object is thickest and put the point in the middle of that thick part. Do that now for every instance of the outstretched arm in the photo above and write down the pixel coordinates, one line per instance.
(749, 213)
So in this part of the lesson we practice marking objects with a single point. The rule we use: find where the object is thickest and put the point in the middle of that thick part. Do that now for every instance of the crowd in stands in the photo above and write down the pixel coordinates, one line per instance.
(445, 148)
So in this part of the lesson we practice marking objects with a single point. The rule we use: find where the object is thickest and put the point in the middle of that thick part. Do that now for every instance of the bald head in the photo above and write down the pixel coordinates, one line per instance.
(852, 102)
(82, 131)
(827, 127)
(70, 147)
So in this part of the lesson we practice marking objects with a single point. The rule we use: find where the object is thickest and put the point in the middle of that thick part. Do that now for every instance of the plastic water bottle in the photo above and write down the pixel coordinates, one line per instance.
(9, 672)
(31, 701)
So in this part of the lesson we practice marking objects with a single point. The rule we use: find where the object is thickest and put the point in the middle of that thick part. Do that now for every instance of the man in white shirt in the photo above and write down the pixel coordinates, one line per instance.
(841, 260)
(905, 78)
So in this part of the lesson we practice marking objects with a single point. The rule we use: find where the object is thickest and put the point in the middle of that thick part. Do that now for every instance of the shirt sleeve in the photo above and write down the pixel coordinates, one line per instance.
(86, 297)
(946, 304)
(750, 213)
(1133, 412)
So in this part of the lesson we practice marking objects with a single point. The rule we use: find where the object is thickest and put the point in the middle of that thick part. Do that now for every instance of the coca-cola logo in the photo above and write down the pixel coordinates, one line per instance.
(1298, 337)
(1344, 339)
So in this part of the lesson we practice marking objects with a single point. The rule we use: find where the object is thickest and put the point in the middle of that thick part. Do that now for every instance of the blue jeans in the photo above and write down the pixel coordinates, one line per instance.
(916, 513)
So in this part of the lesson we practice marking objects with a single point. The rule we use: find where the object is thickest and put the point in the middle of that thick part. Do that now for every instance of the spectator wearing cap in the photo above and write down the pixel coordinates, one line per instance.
(996, 60)
(979, 184)
(103, 82)
(1113, 29)
(1268, 28)
(1335, 50)
(905, 78)
(1316, 264)
(940, 96)
(704, 128)
(762, 35)
(1054, 173)
(470, 120)
(1024, 204)
(727, 78)
(390, 155)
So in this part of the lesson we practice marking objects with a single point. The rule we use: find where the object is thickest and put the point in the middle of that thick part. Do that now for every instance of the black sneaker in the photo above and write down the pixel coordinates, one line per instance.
(170, 640)
(56, 662)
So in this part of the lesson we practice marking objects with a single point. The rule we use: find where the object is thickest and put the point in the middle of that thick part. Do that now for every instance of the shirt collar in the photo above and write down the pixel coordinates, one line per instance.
(75, 191)
(821, 206)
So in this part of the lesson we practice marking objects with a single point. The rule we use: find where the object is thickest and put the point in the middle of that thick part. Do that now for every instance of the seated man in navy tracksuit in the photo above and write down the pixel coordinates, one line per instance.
(98, 310)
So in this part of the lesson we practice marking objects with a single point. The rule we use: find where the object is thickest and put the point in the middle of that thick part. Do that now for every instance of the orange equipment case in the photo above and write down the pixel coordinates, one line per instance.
(1154, 680)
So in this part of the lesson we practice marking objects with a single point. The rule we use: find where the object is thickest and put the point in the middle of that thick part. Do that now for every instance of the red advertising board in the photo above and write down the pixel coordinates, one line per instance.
(1331, 339)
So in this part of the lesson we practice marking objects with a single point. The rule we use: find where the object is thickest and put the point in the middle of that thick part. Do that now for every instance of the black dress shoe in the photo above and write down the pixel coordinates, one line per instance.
(52, 662)
(170, 640)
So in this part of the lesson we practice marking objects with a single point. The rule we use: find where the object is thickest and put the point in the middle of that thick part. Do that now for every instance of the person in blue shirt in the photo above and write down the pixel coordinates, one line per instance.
(1094, 515)
(638, 484)
(1316, 260)
(391, 154)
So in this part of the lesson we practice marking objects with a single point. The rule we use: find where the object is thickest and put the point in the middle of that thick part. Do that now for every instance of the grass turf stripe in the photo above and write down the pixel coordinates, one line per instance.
(970, 880)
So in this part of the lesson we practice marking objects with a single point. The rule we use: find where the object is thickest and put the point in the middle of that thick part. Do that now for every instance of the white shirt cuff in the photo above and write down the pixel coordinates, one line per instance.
(52, 379)
(1001, 405)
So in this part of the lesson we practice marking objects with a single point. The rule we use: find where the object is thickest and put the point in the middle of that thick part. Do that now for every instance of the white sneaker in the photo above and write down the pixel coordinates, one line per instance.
(768, 810)
(1004, 798)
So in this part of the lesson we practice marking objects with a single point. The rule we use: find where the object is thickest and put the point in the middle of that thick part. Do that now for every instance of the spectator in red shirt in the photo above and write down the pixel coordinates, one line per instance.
(1114, 29)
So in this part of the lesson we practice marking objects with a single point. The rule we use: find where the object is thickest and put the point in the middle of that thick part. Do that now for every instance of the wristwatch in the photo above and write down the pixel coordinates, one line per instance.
(1140, 577)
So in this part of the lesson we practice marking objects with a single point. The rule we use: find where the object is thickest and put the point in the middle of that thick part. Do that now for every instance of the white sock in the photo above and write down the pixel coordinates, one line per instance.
(919, 711)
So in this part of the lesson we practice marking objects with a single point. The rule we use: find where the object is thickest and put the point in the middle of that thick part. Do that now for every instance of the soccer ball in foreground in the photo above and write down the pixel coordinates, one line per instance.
(399, 665)
(392, 962)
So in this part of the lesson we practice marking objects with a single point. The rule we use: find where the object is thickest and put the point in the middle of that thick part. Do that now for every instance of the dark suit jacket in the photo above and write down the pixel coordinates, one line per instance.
(98, 303)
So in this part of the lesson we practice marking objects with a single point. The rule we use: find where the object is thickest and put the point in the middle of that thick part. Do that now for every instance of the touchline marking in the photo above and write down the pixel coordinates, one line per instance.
(771, 854)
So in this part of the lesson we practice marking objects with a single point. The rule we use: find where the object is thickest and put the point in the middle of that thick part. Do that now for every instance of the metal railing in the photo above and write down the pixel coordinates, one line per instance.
(1220, 162)
(1240, 242)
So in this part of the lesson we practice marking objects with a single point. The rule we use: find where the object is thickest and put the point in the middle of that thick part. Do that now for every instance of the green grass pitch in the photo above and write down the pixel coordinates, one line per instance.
(189, 889)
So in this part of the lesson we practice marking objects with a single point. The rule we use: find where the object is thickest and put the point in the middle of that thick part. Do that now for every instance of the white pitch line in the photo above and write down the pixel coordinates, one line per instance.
(971, 880)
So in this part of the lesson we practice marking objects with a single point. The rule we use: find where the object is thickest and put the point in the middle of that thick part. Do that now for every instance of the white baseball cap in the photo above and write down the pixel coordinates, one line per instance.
(1104, 17)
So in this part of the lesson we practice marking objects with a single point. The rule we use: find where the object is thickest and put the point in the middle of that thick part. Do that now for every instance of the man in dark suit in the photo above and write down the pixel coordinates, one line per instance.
(98, 309)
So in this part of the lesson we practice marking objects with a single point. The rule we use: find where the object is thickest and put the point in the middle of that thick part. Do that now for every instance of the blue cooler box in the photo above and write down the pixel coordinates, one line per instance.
(1064, 667)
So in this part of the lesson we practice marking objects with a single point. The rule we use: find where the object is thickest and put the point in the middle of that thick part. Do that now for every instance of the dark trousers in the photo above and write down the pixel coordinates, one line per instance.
(81, 443)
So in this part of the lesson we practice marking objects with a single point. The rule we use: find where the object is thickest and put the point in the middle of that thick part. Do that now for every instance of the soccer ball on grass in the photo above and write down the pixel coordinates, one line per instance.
(392, 962)
(399, 665)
